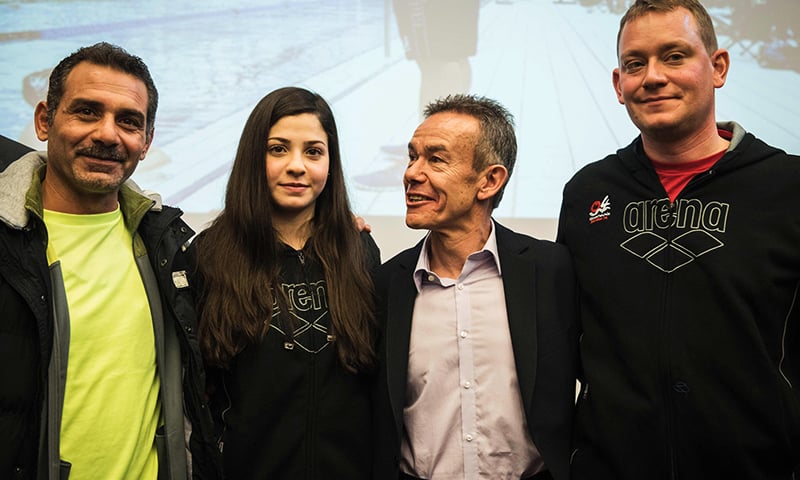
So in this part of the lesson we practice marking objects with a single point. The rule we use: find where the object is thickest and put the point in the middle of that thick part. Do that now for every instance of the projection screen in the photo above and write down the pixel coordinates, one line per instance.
(548, 61)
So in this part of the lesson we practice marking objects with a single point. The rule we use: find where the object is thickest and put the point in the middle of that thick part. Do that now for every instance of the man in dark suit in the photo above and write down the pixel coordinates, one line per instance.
(11, 150)
(477, 349)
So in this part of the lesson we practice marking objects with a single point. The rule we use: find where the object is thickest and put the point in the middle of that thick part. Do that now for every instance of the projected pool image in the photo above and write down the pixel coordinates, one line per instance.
(548, 61)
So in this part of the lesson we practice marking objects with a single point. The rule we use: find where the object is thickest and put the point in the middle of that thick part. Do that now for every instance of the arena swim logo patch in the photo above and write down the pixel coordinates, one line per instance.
(309, 310)
(695, 223)
(600, 210)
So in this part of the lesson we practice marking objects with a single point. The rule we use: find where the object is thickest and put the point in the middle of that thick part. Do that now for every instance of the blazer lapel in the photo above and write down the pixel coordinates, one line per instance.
(519, 284)
(400, 308)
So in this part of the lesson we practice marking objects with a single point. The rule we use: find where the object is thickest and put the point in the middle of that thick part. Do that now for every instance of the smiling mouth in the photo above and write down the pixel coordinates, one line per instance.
(656, 99)
(103, 154)
(413, 198)
(294, 188)
(95, 158)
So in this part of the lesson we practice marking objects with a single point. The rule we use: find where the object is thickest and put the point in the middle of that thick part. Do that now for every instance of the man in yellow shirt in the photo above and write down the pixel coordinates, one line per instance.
(98, 357)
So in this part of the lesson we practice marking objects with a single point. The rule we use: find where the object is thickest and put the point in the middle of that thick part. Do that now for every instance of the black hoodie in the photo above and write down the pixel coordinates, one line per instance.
(690, 346)
(287, 407)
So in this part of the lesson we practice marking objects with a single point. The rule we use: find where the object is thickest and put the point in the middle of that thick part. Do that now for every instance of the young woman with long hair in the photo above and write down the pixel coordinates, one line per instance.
(285, 302)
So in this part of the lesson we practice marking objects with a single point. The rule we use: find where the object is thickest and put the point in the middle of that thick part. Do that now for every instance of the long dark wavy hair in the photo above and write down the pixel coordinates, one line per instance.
(237, 255)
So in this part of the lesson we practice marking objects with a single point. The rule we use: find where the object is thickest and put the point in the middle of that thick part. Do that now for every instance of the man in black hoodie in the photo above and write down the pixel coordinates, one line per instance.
(687, 248)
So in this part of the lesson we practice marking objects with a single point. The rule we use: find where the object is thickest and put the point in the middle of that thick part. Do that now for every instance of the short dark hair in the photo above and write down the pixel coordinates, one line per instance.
(496, 143)
(705, 24)
(105, 55)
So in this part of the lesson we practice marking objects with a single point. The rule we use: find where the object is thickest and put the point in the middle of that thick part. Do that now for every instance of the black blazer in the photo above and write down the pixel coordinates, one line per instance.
(541, 299)
(10, 151)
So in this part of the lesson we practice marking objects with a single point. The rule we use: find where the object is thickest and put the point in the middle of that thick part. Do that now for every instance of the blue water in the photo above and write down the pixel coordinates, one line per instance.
(208, 59)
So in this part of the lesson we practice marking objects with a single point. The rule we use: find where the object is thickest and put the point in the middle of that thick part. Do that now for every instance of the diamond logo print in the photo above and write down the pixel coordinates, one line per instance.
(644, 244)
(669, 256)
(309, 317)
(698, 242)
(304, 331)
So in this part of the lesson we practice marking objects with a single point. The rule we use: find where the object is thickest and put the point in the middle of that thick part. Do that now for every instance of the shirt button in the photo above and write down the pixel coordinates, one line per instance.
(430, 278)
(468, 437)
(461, 286)
(463, 334)
(467, 384)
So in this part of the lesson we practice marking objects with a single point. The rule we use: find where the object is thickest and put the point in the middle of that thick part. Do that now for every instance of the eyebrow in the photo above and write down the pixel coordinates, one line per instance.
(429, 149)
(666, 47)
(286, 140)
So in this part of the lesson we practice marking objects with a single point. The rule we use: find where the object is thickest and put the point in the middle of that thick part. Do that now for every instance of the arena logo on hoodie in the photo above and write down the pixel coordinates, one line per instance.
(308, 307)
(696, 224)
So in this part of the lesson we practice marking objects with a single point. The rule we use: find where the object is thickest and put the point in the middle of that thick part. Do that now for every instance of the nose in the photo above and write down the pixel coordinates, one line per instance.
(654, 75)
(106, 131)
(296, 165)
(414, 172)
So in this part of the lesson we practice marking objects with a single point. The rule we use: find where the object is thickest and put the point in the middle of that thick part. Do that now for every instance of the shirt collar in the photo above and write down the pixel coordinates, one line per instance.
(489, 250)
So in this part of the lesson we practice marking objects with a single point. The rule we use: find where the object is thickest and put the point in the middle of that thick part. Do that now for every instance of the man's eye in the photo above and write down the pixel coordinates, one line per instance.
(633, 66)
(131, 123)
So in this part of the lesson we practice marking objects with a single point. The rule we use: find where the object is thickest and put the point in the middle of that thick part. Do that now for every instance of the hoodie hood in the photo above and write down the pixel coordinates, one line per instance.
(634, 159)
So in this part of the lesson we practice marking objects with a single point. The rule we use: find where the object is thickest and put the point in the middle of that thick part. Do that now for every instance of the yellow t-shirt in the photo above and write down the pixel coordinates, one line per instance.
(111, 403)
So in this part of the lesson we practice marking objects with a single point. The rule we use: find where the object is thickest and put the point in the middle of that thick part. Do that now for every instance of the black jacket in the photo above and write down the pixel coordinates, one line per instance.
(11, 150)
(690, 313)
(27, 334)
(540, 294)
(294, 412)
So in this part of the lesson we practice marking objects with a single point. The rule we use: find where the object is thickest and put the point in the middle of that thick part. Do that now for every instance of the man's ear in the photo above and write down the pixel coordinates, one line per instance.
(147, 145)
(492, 180)
(617, 88)
(40, 121)
(721, 62)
